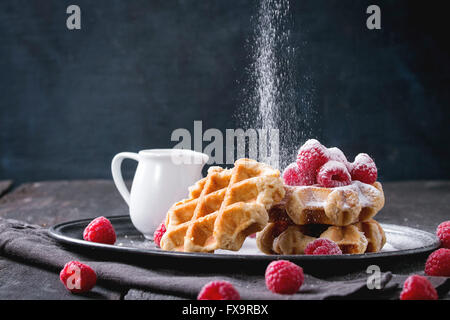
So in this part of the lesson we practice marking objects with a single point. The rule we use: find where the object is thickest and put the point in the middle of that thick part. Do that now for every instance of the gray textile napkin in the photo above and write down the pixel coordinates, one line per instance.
(31, 244)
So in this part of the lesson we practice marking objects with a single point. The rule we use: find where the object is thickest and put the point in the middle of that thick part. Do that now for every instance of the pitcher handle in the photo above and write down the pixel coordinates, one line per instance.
(116, 171)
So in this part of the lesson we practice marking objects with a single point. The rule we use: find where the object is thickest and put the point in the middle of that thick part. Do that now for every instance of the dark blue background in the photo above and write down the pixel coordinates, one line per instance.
(137, 70)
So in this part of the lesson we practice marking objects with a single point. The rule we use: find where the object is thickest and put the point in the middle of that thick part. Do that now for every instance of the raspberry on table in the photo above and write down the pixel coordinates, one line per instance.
(333, 174)
(311, 156)
(364, 169)
(438, 263)
(418, 288)
(443, 233)
(78, 277)
(159, 232)
(284, 277)
(322, 246)
(100, 230)
(218, 290)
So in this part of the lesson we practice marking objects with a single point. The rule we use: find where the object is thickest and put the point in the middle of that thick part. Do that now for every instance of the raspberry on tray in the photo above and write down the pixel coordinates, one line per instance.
(159, 232)
(322, 246)
(100, 230)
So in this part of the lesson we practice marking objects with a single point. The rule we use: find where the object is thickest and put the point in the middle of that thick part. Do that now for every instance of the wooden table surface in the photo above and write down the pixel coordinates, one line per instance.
(418, 204)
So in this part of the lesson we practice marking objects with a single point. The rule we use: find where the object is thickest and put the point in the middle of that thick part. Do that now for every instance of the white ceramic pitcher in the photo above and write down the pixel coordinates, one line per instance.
(162, 178)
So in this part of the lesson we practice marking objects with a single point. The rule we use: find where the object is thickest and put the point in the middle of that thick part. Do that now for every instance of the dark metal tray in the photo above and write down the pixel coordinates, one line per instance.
(402, 242)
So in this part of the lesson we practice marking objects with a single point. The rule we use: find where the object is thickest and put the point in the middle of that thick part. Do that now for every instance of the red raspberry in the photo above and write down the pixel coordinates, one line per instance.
(418, 288)
(293, 177)
(218, 290)
(322, 246)
(337, 155)
(333, 174)
(100, 230)
(284, 277)
(159, 233)
(364, 169)
(77, 277)
(311, 156)
(307, 178)
(443, 233)
(438, 263)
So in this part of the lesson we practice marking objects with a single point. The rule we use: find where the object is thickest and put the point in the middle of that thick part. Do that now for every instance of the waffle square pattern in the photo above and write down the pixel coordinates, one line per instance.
(223, 208)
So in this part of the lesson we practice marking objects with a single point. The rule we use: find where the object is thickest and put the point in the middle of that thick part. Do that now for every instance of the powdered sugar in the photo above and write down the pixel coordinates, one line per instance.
(333, 174)
(367, 193)
(311, 144)
(364, 169)
(277, 94)
(291, 175)
(337, 155)
(363, 158)
(311, 156)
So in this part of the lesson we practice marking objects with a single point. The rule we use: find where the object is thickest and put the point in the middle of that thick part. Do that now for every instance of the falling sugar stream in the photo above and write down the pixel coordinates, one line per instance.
(273, 97)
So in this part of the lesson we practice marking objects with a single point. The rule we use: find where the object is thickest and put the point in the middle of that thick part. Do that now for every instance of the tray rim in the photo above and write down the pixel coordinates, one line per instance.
(55, 232)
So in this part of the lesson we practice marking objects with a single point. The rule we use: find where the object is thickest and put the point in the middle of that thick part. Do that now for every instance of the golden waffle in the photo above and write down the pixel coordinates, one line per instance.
(284, 238)
(223, 208)
(338, 206)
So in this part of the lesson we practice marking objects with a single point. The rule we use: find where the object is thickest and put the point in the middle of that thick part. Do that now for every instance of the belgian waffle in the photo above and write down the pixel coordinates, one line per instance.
(223, 208)
(284, 238)
(338, 206)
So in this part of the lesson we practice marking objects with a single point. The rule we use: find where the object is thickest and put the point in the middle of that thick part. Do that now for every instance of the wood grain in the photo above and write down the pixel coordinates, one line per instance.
(48, 203)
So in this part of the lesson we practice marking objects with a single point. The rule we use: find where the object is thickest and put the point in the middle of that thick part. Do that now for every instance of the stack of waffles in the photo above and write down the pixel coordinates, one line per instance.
(341, 214)
(223, 208)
